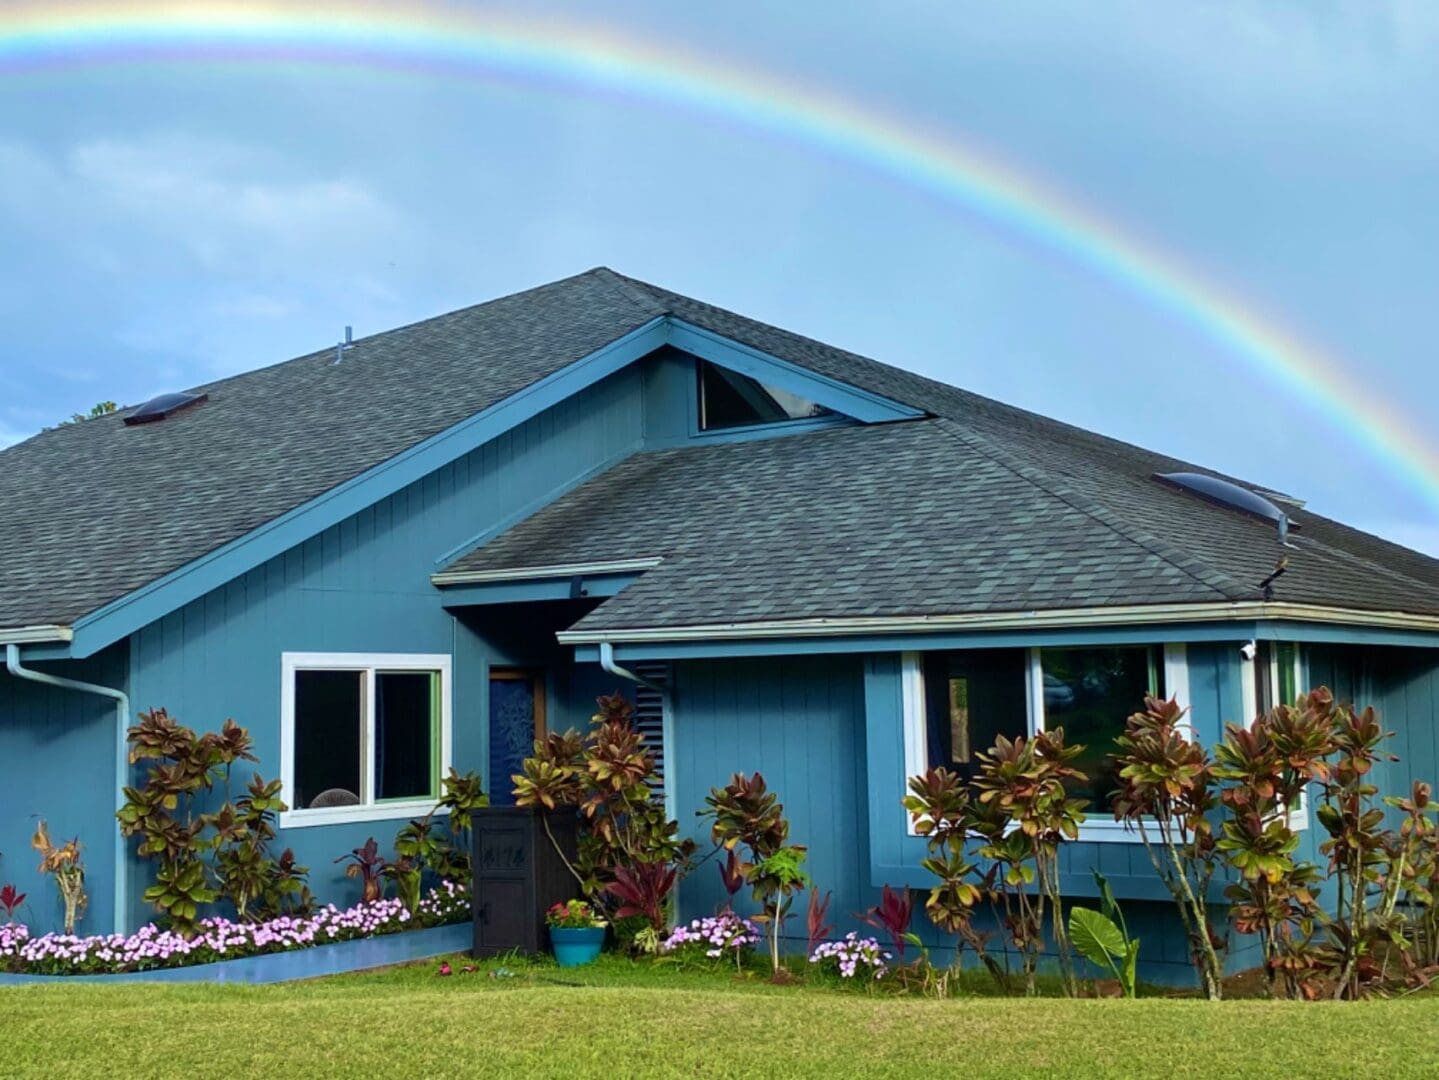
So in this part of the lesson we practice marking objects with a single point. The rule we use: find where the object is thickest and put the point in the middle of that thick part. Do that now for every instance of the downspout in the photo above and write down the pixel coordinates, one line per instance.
(122, 721)
(607, 661)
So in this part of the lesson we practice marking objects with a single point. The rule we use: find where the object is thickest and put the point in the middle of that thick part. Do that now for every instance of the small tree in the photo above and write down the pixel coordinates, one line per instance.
(1024, 781)
(942, 812)
(746, 814)
(1266, 767)
(1167, 793)
(609, 777)
(66, 866)
(201, 856)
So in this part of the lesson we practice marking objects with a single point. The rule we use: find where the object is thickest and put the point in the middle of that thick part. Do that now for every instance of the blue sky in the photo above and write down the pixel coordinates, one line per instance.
(165, 224)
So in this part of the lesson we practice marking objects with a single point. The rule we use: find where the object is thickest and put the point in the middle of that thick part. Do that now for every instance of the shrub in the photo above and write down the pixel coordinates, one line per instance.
(10, 899)
(1167, 793)
(202, 856)
(1023, 785)
(68, 869)
(715, 937)
(852, 957)
(892, 915)
(365, 865)
(609, 777)
(942, 811)
(746, 813)
(817, 928)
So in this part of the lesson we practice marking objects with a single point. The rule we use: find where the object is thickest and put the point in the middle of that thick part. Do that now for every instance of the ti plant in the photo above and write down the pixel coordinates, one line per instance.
(68, 869)
(1265, 768)
(365, 865)
(643, 890)
(746, 815)
(941, 811)
(10, 899)
(1102, 937)
(609, 776)
(1023, 781)
(202, 856)
(1167, 792)
(817, 928)
(892, 915)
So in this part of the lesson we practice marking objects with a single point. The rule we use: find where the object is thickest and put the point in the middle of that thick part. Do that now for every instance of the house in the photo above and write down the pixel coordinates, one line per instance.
(419, 549)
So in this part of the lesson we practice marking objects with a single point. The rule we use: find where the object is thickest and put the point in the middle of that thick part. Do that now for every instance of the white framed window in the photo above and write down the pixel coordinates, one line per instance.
(956, 703)
(363, 736)
(1274, 675)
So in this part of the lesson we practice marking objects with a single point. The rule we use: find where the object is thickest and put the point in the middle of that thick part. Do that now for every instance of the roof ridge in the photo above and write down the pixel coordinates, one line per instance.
(1202, 572)
(634, 289)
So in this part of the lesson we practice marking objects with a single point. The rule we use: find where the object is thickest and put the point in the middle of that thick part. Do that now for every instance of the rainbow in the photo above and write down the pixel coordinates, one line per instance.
(453, 43)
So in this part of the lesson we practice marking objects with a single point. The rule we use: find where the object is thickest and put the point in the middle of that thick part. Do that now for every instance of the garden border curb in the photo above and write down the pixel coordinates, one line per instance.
(336, 958)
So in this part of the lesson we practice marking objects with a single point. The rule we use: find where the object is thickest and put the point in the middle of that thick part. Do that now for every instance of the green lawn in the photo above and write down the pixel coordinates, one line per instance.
(619, 1019)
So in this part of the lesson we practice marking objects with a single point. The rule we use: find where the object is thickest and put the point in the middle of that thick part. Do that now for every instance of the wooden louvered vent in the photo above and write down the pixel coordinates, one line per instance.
(650, 713)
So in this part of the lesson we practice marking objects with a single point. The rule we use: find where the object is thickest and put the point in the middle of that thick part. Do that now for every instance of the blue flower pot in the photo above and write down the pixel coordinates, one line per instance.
(576, 945)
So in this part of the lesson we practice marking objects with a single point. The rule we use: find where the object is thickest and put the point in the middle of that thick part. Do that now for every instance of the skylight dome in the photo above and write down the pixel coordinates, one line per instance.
(1229, 495)
(157, 408)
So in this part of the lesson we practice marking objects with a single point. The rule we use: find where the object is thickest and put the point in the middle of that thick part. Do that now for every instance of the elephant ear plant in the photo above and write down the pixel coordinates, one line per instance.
(1102, 938)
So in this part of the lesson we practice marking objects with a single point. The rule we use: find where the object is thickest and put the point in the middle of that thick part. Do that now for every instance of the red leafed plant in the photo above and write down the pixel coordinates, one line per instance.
(819, 930)
(731, 873)
(642, 889)
(365, 865)
(892, 915)
(10, 899)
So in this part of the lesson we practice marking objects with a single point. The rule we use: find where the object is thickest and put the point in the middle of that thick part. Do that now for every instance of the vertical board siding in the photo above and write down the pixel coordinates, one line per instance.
(806, 724)
(800, 722)
(57, 762)
(363, 586)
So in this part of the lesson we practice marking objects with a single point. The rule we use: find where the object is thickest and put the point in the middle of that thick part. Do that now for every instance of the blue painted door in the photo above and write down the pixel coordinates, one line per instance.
(517, 719)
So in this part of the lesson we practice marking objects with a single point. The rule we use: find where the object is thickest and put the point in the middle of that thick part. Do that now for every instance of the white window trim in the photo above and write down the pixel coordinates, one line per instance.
(1298, 817)
(1175, 670)
(290, 663)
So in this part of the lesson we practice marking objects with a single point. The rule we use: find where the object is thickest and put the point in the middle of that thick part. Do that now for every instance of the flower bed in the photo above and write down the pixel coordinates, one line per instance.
(713, 937)
(152, 949)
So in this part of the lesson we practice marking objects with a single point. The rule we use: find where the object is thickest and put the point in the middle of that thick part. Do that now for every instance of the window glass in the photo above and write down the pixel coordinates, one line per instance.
(728, 399)
(406, 734)
(1090, 693)
(1286, 653)
(971, 698)
(329, 729)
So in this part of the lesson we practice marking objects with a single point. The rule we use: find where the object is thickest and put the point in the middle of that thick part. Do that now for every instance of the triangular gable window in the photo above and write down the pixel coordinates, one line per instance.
(729, 399)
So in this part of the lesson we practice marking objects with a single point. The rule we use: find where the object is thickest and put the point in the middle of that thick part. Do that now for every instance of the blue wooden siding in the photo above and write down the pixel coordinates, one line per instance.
(57, 762)
(363, 586)
(800, 722)
(809, 725)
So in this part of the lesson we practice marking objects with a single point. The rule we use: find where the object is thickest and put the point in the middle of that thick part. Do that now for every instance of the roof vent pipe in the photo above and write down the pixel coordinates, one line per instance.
(348, 343)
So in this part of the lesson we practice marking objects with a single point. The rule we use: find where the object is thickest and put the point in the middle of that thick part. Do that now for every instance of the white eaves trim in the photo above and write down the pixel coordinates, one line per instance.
(1131, 615)
(27, 635)
(560, 570)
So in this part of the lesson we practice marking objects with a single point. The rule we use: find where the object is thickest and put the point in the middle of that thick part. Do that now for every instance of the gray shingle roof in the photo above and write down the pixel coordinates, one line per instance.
(986, 507)
(91, 511)
(991, 508)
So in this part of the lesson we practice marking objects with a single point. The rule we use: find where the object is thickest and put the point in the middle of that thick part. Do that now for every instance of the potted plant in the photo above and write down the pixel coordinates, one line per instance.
(576, 932)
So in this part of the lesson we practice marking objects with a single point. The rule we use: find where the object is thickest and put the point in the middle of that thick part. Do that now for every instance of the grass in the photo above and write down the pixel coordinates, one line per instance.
(623, 1019)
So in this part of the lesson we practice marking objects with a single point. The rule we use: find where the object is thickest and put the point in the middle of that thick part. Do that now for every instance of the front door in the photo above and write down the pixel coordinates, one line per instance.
(517, 719)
